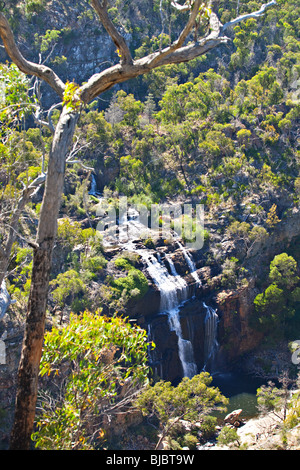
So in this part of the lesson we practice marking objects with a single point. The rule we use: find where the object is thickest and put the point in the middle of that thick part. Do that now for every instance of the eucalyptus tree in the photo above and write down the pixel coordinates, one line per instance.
(15, 103)
(186, 47)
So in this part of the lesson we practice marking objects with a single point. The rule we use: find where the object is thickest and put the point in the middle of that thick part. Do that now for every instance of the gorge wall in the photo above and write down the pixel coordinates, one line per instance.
(233, 307)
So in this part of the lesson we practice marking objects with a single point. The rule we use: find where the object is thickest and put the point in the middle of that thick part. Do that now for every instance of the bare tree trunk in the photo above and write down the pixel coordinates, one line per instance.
(5, 251)
(35, 322)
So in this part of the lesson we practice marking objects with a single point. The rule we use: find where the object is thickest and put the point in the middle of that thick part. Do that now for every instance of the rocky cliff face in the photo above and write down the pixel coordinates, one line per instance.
(237, 337)
(234, 307)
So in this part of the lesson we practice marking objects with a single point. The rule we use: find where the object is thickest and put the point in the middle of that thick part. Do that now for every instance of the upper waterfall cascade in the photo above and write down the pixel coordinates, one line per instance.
(190, 263)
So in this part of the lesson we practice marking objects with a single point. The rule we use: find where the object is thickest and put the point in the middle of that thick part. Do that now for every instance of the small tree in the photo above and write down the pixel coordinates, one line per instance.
(228, 435)
(99, 366)
(283, 271)
(277, 304)
(189, 400)
(15, 104)
(272, 217)
(275, 400)
(67, 284)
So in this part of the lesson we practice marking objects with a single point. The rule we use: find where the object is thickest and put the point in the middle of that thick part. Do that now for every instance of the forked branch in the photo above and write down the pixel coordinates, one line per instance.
(255, 14)
(30, 68)
(101, 9)
(127, 69)
(174, 54)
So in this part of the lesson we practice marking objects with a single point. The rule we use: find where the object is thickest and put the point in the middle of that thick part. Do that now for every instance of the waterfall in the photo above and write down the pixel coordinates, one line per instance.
(5, 300)
(185, 347)
(190, 263)
(210, 341)
(172, 287)
(182, 285)
(93, 190)
(173, 292)
(131, 228)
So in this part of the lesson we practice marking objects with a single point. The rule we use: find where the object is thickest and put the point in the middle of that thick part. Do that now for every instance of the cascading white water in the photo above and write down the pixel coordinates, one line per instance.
(190, 263)
(181, 283)
(93, 191)
(173, 292)
(210, 340)
(185, 348)
(172, 287)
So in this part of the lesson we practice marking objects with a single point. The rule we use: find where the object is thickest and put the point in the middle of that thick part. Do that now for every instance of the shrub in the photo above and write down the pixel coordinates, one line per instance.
(272, 218)
(243, 136)
(91, 359)
(208, 427)
(134, 285)
(239, 229)
(34, 6)
(68, 284)
(228, 436)
(123, 264)
(283, 269)
(68, 232)
(258, 233)
(94, 264)
(190, 441)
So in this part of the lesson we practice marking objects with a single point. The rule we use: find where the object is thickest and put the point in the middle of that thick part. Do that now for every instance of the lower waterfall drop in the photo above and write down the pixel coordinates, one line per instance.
(172, 287)
(210, 340)
(173, 292)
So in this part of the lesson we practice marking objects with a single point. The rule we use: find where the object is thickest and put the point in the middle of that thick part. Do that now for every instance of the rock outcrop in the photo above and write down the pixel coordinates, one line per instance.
(234, 418)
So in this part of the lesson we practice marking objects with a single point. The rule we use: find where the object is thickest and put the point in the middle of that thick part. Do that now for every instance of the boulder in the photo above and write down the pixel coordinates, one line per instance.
(233, 418)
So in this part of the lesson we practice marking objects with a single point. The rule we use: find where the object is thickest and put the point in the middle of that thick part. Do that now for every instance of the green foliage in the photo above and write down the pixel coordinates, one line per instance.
(208, 427)
(277, 306)
(229, 272)
(243, 135)
(93, 264)
(95, 359)
(190, 441)
(270, 304)
(95, 128)
(283, 271)
(68, 284)
(71, 99)
(15, 100)
(69, 232)
(132, 177)
(130, 107)
(191, 399)
(258, 234)
(19, 285)
(269, 397)
(133, 286)
(239, 229)
(272, 217)
(227, 436)
(244, 38)
(126, 261)
(47, 40)
(33, 7)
